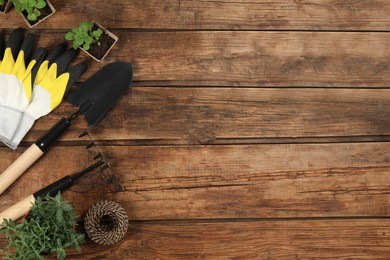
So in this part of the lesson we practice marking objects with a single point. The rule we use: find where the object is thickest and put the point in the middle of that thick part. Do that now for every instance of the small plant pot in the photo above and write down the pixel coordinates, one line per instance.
(107, 42)
(46, 12)
(6, 6)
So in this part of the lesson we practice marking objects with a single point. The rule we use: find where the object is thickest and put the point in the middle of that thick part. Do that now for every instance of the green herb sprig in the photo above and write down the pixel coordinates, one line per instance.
(48, 230)
(84, 35)
(32, 7)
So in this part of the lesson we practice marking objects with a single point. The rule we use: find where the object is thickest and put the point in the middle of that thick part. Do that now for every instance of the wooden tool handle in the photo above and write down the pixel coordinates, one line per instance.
(18, 210)
(19, 166)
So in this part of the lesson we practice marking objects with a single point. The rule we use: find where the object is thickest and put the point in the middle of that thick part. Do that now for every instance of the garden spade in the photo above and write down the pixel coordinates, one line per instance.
(95, 97)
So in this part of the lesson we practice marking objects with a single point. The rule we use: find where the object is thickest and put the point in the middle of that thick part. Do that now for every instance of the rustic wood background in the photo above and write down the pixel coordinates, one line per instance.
(254, 129)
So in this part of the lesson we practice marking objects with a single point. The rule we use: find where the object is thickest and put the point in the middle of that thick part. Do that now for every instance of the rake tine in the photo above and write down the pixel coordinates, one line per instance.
(98, 156)
(105, 168)
(91, 144)
(83, 134)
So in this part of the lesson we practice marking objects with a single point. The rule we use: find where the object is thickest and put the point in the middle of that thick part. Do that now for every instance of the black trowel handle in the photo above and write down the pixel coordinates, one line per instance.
(53, 134)
(32, 154)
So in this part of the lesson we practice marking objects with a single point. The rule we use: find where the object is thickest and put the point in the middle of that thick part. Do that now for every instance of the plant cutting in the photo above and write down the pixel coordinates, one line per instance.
(92, 38)
(5, 5)
(48, 230)
(34, 11)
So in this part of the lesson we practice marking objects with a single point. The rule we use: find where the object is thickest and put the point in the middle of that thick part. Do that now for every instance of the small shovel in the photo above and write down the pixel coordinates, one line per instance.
(95, 97)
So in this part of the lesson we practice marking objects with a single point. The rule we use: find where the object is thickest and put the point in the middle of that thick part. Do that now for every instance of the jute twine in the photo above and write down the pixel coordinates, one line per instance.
(106, 222)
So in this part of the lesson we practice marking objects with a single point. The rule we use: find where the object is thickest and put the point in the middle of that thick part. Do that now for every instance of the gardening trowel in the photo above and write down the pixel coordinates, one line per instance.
(95, 97)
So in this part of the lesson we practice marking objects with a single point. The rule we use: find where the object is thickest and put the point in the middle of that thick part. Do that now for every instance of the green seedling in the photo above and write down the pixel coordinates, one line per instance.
(32, 7)
(49, 230)
(84, 36)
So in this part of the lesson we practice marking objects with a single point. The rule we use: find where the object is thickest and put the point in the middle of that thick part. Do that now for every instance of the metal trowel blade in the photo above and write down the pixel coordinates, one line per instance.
(103, 89)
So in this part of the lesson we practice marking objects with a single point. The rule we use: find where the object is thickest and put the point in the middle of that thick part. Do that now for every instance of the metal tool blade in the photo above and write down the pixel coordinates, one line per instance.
(103, 90)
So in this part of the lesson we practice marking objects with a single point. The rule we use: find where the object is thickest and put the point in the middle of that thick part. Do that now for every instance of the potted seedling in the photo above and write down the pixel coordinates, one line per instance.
(92, 38)
(34, 11)
(5, 5)
(48, 230)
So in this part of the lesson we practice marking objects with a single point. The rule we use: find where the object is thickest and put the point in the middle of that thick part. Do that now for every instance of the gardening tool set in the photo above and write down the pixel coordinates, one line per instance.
(34, 84)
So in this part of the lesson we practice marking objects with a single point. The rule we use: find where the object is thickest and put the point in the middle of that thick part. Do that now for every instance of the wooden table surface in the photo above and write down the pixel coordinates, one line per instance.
(254, 129)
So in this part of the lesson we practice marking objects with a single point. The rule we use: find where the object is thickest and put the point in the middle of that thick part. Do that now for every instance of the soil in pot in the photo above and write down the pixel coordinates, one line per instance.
(46, 11)
(3, 6)
(98, 51)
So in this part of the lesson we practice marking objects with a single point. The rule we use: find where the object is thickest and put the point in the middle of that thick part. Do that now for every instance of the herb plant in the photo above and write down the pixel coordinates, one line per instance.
(32, 7)
(84, 35)
(48, 230)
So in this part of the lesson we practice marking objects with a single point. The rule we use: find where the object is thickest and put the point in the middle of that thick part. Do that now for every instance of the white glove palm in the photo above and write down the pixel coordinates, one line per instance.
(51, 83)
(15, 83)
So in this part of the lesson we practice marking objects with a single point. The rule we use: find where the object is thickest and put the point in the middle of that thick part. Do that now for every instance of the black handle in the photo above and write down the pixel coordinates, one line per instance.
(65, 182)
(52, 135)
(55, 187)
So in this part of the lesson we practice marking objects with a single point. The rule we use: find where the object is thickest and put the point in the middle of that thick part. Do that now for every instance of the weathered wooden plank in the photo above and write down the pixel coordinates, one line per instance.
(231, 115)
(214, 14)
(330, 239)
(255, 59)
(208, 182)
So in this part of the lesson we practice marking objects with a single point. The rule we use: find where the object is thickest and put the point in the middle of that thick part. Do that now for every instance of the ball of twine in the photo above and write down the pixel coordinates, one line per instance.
(106, 222)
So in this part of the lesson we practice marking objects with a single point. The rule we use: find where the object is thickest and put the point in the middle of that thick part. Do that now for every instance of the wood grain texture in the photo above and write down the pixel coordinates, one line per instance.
(253, 59)
(214, 14)
(214, 182)
(255, 130)
(228, 115)
(295, 239)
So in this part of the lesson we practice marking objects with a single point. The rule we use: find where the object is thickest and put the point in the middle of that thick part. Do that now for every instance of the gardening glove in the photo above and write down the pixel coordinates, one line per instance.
(52, 82)
(16, 77)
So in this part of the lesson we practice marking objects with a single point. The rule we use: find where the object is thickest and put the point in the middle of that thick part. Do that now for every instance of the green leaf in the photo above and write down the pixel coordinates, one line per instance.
(78, 247)
(31, 3)
(32, 17)
(96, 34)
(59, 216)
(84, 26)
(75, 45)
(40, 4)
(78, 42)
(88, 40)
(37, 12)
(27, 9)
(58, 198)
(86, 46)
(69, 36)
(90, 25)
(67, 207)
(18, 8)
